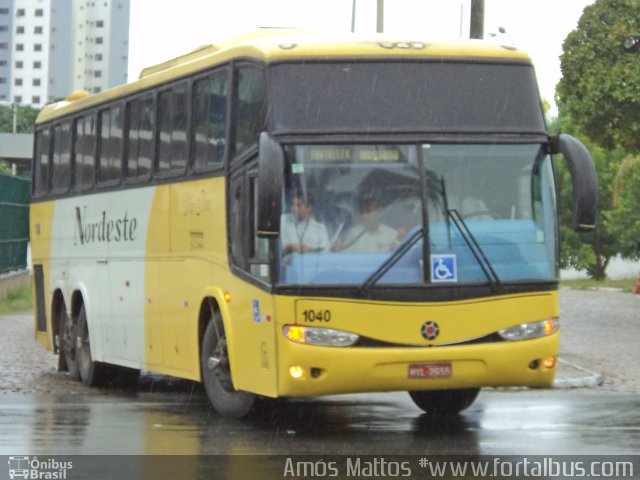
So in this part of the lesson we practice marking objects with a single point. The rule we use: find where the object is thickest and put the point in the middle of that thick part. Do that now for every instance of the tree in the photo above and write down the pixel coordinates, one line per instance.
(599, 102)
(600, 84)
(592, 251)
(25, 117)
(626, 200)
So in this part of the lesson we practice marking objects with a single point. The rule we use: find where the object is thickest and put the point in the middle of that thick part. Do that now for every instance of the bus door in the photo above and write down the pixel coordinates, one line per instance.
(252, 311)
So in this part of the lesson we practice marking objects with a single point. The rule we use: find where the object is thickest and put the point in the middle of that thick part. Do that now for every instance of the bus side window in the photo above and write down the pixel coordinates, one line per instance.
(41, 164)
(210, 120)
(139, 138)
(250, 108)
(258, 247)
(85, 153)
(248, 252)
(61, 160)
(110, 164)
(172, 125)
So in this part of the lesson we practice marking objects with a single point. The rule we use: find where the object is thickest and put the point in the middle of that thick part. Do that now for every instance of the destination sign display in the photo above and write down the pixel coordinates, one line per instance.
(353, 154)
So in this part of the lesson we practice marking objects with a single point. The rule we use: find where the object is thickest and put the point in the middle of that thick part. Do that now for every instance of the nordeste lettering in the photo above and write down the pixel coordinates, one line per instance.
(106, 229)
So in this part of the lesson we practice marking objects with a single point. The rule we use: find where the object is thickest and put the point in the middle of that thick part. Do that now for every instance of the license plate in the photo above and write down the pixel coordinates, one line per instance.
(430, 370)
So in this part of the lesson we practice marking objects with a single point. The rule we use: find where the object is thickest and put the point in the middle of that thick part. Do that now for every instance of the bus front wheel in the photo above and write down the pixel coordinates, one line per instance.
(444, 402)
(216, 374)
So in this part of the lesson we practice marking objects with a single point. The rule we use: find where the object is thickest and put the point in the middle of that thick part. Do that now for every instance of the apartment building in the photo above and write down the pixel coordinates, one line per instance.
(49, 48)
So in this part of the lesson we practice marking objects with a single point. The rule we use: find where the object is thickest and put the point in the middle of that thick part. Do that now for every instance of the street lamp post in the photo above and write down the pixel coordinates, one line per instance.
(379, 16)
(14, 114)
(353, 16)
(476, 27)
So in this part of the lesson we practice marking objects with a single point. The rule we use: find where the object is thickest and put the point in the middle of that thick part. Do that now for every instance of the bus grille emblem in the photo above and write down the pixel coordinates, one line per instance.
(430, 330)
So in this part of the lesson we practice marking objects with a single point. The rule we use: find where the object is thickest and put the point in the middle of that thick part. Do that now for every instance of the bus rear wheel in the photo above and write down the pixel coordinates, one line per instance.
(444, 402)
(92, 373)
(216, 374)
(67, 335)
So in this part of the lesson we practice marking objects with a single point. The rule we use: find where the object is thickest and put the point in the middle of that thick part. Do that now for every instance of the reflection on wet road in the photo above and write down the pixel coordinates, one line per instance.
(524, 422)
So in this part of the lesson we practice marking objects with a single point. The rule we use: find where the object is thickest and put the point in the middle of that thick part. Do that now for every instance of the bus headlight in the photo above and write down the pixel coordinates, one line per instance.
(320, 336)
(526, 331)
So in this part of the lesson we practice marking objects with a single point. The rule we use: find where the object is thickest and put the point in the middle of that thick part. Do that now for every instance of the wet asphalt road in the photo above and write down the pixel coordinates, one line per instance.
(523, 422)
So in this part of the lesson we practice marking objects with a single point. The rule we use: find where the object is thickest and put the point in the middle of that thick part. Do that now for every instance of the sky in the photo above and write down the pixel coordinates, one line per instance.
(164, 29)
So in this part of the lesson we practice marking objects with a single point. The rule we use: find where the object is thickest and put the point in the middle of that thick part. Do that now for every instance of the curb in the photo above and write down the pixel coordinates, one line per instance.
(571, 375)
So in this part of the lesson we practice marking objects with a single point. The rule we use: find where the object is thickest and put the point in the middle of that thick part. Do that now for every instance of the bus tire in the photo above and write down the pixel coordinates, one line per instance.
(91, 373)
(67, 333)
(444, 402)
(216, 374)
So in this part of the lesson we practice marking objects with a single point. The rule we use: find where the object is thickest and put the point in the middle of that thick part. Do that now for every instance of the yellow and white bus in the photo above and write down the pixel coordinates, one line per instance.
(160, 209)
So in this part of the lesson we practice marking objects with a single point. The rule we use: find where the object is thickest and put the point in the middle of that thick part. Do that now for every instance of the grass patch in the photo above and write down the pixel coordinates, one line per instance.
(626, 284)
(19, 300)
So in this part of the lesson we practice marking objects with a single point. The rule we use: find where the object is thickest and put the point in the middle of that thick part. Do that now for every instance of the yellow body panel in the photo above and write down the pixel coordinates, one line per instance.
(400, 323)
(186, 263)
(185, 240)
(349, 369)
(41, 220)
(345, 370)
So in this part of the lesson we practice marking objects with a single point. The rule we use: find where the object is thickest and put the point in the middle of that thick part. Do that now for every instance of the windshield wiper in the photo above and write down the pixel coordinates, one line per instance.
(445, 206)
(475, 248)
(469, 239)
(388, 264)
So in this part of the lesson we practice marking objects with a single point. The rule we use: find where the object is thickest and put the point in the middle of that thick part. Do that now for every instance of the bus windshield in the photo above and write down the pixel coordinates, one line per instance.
(348, 208)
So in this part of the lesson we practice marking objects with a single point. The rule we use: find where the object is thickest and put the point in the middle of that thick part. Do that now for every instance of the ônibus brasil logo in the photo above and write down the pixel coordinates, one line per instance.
(34, 468)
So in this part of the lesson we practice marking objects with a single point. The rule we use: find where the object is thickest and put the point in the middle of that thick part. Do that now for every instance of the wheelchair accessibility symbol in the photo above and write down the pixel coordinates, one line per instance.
(444, 268)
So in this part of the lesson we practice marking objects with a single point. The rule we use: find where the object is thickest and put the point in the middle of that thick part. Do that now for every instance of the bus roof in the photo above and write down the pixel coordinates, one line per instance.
(275, 44)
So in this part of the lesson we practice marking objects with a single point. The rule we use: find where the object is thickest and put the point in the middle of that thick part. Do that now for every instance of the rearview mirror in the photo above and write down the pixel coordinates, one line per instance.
(270, 175)
(584, 180)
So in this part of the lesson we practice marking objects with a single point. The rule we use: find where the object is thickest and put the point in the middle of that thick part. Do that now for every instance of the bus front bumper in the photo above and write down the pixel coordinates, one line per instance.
(307, 370)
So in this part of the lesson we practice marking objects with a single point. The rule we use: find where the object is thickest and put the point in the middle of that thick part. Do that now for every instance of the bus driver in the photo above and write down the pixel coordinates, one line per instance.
(300, 231)
(371, 235)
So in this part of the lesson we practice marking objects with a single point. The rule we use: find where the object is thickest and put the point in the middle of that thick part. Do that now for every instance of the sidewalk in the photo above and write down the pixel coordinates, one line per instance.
(570, 375)
(599, 340)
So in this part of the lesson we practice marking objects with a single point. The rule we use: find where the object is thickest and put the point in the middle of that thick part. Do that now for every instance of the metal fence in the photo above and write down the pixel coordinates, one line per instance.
(14, 222)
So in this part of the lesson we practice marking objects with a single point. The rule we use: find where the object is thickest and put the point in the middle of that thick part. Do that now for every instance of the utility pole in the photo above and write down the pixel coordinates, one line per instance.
(476, 27)
(353, 16)
(380, 17)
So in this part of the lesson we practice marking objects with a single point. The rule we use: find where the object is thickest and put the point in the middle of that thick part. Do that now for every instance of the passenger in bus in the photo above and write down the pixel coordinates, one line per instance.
(472, 208)
(370, 235)
(302, 233)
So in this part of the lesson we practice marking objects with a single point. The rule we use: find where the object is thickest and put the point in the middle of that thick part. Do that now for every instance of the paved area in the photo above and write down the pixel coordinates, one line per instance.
(600, 336)
(26, 366)
(599, 348)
